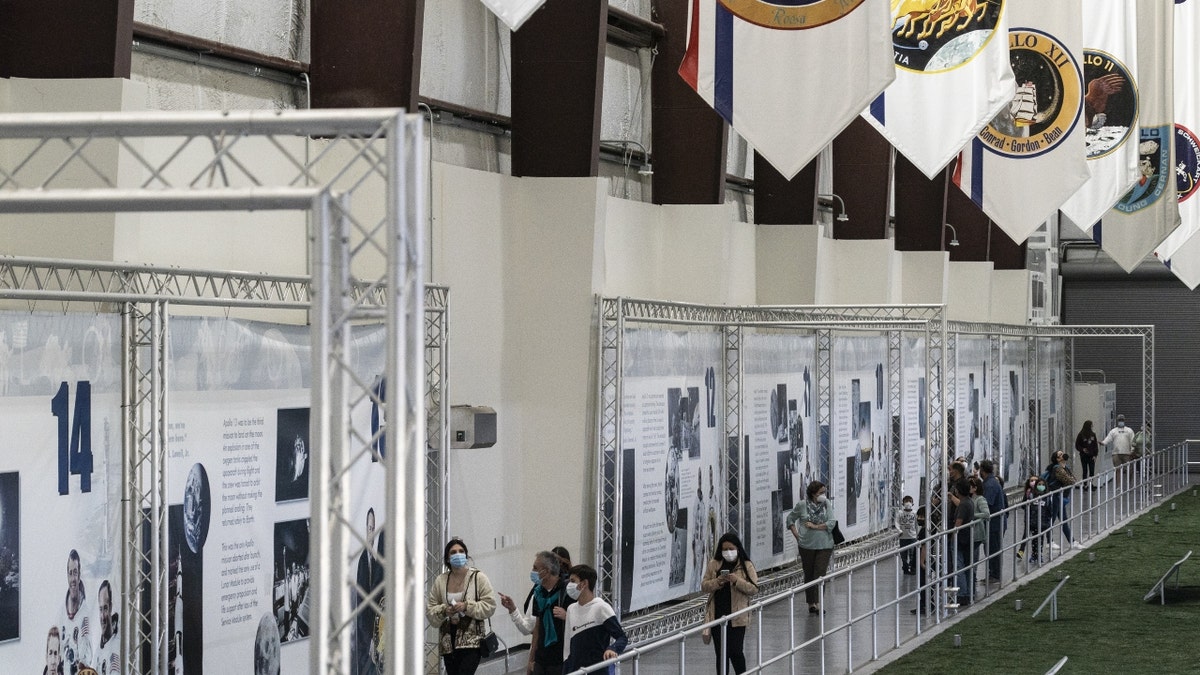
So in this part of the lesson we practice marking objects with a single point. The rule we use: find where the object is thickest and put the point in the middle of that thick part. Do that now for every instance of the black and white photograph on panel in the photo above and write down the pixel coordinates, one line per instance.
(796, 438)
(921, 398)
(10, 556)
(289, 596)
(679, 549)
(784, 476)
(779, 420)
(853, 485)
(291, 454)
(778, 514)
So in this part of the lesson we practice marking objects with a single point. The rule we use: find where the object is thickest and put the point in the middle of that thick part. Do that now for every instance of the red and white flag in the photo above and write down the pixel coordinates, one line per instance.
(788, 75)
(513, 12)
(1181, 250)
(952, 77)
(1110, 109)
(1031, 157)
(1149, 211)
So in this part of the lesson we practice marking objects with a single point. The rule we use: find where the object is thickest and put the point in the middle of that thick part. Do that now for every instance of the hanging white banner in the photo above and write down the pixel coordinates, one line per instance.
(788, 76)
(1031, 157)
(952, 77)
(1148, 213)
(1110, 107)
(513, 12)
(1181, 250)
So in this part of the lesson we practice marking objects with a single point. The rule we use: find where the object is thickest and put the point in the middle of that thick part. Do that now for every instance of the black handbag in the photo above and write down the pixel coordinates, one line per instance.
(490, 644)
(838, 537)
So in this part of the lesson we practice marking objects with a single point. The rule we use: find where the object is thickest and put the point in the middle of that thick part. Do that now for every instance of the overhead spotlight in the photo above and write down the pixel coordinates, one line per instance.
(647, 169)
(954, 236)
(841, 217)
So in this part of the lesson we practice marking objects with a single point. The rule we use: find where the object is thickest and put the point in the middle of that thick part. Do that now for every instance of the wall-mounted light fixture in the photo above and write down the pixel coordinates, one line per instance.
(841, 217)
(953, 235)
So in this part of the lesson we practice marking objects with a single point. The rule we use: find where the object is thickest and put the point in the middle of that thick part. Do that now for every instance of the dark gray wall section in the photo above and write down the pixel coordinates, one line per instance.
(1175, 313)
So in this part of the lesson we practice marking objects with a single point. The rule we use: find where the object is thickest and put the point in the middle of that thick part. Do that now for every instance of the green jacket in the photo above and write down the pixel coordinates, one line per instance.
(805, 511)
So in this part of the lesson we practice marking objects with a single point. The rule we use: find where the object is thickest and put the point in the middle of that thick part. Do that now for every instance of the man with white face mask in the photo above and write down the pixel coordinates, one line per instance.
(1121, 438)
(593, 632)
(546, 622)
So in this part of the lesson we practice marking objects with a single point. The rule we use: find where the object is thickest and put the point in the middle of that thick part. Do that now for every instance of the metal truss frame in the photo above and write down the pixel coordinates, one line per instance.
(615, 314)
(53, 154)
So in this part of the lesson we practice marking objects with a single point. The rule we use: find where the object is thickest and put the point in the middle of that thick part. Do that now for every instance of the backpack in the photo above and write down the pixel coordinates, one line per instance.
(1051, 479)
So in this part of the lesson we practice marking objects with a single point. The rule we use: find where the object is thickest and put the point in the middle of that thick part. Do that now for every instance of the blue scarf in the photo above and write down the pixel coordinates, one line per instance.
(545, 601)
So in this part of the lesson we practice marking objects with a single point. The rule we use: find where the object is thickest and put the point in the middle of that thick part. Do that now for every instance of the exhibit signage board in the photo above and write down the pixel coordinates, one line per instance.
(779, 422)
(671, 408)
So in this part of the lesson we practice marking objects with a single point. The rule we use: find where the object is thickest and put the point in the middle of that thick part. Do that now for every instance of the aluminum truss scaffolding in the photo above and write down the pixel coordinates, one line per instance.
(825, 323)
(616, 314)
(361, 154)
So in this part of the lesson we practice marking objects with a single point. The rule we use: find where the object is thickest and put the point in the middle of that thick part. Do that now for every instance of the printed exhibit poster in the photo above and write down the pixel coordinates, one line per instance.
(860, 472)
(60, 492)
(913, 457)
(1014, 406)
(972, 401)
(779, 416)
(1051, 424)
(239, 484)
(671, 463)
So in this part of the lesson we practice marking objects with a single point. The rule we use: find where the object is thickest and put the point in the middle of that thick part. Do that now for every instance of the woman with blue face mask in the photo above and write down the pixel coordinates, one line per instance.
(460, 603)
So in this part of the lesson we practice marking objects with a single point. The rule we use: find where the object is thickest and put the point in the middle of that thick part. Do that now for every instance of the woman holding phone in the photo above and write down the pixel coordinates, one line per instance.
(729, 579)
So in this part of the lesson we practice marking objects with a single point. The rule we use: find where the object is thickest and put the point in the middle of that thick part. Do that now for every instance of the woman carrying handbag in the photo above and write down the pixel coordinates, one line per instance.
(812, 524)
(729, 579)
(460, 603)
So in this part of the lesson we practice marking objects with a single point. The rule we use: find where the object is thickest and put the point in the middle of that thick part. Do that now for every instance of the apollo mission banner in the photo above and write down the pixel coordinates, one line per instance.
(60, 492)
(671, 499)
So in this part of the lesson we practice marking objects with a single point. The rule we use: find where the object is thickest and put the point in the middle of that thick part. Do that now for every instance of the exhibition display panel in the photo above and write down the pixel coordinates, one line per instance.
(187, 444)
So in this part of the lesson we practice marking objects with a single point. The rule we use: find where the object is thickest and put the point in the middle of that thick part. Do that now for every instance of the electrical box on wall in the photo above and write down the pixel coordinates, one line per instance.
(472, 426)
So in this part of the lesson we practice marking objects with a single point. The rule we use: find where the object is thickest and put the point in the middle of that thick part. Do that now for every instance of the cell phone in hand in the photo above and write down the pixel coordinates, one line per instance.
(722, 573)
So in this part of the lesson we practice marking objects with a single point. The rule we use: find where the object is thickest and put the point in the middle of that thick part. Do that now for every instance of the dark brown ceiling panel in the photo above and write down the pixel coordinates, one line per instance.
(557, 89)
(779, 201)
(366, 54)
(860, 177)
(689, 136)
(65, 38)
(919, 203)
(918, 208)
(978, 238)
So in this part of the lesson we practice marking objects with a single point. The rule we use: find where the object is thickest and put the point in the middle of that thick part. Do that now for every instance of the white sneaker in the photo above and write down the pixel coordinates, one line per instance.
(1076, 545)
(1055, 546)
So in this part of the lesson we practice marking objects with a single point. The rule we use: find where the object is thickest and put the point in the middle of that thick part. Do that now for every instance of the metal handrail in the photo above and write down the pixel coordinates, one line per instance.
(1124, 493)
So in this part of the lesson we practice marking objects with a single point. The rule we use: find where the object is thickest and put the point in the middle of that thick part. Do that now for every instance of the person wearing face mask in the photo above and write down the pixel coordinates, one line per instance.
(906, 524)
(1058, 475)
(1121, 438)
(595, 633)
(811, 522)
(1039, 515)
(460, 601)
(545, 624)
(729, 579)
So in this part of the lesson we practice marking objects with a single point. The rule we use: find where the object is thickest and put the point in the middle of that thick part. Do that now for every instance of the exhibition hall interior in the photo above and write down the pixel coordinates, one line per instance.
(300, 298)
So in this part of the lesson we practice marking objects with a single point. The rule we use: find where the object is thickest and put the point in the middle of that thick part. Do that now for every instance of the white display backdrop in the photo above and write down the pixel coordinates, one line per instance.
(860, 467)
(973, 406)
(1015, 436)
(239, 442)
(1052, 422)
(670, 440)
(60, 489)
(779, 422)
(914, 423)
